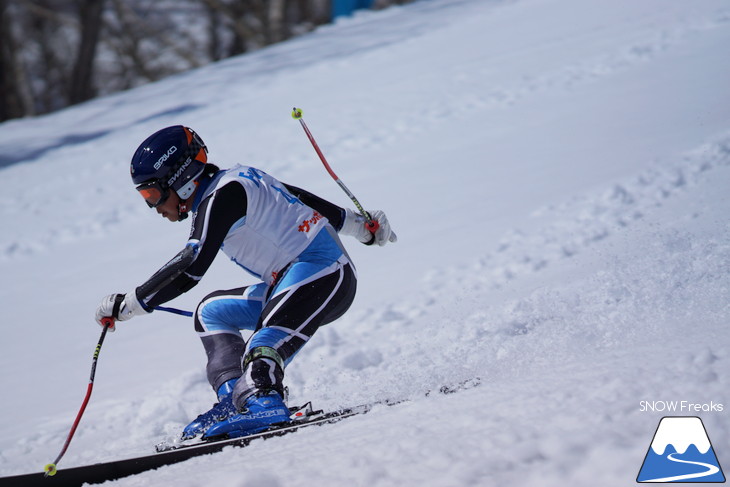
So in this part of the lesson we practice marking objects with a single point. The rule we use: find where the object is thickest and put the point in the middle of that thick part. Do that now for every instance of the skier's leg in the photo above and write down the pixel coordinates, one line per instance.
(291, 318)
(315, 289)
(218, 319)
(307, 297)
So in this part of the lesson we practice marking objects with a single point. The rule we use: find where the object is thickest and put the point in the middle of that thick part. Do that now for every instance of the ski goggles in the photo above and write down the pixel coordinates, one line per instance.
(154, 193)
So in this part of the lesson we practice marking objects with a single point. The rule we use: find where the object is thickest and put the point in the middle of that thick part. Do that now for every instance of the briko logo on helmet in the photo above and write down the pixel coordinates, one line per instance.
(165, 156)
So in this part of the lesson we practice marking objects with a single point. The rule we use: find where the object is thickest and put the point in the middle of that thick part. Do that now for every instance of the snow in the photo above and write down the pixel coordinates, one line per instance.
(557, 173)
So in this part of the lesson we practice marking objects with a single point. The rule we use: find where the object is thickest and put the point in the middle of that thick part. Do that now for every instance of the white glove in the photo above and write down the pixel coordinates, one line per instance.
(121, 307)
(355, 225)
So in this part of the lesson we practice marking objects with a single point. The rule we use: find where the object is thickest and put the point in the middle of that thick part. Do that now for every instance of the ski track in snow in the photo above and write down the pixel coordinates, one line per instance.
(557, 326)
(573, 226)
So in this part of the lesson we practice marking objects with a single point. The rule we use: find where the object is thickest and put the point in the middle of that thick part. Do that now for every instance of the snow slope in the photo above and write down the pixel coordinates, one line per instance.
(557, 173)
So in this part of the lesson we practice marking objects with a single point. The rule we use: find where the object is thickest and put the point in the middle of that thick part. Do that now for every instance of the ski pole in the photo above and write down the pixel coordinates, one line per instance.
(176, 311)
(51, 469)
(372, 225)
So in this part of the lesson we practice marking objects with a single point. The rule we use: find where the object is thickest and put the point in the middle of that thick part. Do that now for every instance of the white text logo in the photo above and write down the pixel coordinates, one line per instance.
(165, 157)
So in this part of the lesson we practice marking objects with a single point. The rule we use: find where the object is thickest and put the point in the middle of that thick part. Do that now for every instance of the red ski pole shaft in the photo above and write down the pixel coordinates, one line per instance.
(51, 469)
(371, 224)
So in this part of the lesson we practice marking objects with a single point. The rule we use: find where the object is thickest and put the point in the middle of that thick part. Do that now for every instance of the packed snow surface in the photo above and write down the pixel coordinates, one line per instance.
(557, 172)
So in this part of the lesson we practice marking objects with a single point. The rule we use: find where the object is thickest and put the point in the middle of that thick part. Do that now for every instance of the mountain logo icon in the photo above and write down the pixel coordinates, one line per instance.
(681, 452)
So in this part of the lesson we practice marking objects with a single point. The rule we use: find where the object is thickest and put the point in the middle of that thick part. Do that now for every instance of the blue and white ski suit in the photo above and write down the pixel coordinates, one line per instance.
(281, 234)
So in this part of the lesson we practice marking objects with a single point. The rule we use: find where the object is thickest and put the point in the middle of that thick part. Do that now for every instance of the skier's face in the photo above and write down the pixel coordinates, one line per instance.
(169, 209)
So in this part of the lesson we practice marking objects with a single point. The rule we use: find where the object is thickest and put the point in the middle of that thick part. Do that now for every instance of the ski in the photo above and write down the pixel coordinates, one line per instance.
(169, 454)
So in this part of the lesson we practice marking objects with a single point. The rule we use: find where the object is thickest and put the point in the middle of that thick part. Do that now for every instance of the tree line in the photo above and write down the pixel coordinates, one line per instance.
(56, 53)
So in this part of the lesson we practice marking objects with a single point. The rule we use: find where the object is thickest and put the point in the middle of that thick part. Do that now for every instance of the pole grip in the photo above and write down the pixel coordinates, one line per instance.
(108, 323)
(372, 225)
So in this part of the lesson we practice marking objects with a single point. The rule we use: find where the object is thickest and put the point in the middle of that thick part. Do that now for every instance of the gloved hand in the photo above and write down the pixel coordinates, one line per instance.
(121, 307)
(355, 225)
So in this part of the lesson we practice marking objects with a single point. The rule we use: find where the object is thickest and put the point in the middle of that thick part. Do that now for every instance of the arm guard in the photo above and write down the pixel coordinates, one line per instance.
(167, 274)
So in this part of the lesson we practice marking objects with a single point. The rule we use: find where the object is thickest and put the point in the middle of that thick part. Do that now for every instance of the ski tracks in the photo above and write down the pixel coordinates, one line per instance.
(489, 80)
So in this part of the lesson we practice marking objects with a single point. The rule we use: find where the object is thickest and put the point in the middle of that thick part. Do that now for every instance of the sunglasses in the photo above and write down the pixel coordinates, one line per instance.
(154, 193)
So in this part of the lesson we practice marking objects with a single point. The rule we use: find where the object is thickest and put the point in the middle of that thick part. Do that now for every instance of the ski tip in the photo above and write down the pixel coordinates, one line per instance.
(50, 469)
(296, 113)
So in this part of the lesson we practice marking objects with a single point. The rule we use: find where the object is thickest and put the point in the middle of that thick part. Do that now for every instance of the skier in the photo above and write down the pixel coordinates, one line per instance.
(282, 234)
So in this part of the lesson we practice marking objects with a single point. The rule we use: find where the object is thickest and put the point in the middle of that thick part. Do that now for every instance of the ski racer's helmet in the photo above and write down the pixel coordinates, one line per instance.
(171, 159)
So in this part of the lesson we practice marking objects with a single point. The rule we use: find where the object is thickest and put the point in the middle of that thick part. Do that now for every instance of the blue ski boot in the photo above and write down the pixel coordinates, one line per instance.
(221, 410)
(261, 411)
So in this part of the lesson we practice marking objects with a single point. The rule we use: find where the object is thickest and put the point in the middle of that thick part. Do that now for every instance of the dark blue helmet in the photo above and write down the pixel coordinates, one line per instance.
(170, 159)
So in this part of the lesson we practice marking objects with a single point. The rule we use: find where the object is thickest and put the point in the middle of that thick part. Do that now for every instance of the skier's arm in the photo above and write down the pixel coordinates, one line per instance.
(346, 221)
(169, 273)
(332, 212)
(214, 218)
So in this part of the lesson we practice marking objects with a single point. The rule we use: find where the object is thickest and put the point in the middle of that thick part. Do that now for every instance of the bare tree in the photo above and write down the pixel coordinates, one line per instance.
(148, 42)
(15, 99)
(82, 78)
(50, 27)
(253, 24)
(215, 25)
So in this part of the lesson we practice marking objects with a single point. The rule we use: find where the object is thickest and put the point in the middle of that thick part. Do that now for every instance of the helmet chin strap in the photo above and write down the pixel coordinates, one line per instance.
(182, 210)
(182, 206)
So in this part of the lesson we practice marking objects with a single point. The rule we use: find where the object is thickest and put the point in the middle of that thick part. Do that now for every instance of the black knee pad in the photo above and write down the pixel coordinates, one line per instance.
(224, 353)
